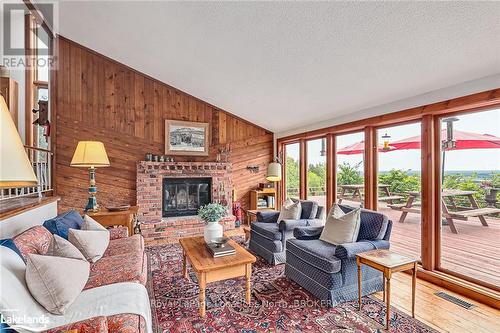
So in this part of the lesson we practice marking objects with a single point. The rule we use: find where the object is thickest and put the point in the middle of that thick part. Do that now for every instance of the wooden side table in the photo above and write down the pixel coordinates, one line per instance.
(209, 269)
(108, 218)
(388, 263)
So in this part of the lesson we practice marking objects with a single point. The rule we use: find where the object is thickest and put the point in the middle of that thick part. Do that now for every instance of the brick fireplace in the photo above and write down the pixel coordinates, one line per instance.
(151, 192)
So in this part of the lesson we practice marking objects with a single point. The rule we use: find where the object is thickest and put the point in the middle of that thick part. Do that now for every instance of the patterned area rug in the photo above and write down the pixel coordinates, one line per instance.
(278, 304)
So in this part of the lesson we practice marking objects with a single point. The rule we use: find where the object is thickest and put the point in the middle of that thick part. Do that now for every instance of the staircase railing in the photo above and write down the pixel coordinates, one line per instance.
(41, 161)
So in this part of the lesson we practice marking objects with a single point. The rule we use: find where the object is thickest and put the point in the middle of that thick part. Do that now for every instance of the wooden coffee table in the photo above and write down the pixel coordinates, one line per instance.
(209, 269)
(388, 263)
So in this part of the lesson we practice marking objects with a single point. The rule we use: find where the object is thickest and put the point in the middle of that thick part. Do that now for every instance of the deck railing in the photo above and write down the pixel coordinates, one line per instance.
(41, 161)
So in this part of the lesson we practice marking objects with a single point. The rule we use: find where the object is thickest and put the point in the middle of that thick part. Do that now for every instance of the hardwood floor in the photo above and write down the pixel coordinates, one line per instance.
(438, 313)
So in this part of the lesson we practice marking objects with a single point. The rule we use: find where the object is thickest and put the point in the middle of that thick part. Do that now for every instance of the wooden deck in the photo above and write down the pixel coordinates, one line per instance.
(474, 251)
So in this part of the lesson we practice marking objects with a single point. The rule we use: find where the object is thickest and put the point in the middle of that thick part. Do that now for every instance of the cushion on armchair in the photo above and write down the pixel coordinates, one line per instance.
(374, 225)
(290, 210)
(341, 227)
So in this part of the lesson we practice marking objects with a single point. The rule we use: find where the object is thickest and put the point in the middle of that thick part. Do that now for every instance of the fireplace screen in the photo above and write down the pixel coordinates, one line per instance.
(183, 196)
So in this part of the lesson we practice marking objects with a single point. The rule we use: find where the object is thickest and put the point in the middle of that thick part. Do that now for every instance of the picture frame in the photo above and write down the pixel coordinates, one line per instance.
(186, 138)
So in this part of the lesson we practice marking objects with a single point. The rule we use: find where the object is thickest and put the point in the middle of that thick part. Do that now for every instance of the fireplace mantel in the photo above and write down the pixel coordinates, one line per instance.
(149, 196)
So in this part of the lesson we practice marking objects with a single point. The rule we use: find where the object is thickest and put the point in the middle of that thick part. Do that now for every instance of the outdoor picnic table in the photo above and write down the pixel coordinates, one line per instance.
(354, 192)
(458, 213)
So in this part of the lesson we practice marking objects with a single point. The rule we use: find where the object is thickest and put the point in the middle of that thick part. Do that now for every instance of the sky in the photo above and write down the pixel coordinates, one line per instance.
(486, 122)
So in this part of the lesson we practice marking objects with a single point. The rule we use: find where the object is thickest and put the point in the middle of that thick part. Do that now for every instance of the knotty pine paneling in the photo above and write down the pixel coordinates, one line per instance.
(100, 99)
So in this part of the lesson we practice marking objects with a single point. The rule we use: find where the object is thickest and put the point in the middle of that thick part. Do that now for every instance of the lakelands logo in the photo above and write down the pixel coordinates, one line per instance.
(14, 320)
(14, 53)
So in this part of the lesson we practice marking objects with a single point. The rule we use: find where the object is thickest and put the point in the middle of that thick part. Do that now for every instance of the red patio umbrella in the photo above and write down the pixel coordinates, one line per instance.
(463, 140)
(359, 148)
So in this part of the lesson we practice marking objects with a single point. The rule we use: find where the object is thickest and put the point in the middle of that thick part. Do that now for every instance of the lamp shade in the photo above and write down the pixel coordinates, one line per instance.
(90, 154)
(273, 172)
(15, 167)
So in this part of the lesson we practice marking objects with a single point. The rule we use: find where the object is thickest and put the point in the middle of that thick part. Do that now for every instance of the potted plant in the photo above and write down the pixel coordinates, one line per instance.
(212, 214)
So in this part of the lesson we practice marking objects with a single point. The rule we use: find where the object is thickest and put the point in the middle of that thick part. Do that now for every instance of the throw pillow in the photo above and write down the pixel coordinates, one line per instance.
(60, 224)
(91, 243)
(341, 228)
(11, 245)
(290, 210)
(91, 224)
(60, 247)
(56, 282)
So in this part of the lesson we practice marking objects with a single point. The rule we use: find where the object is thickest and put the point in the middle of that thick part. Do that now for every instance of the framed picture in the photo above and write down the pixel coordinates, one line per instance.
(186, 138)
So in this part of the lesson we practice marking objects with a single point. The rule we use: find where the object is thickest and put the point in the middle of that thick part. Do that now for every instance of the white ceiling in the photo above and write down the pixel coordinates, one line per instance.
(286, 65)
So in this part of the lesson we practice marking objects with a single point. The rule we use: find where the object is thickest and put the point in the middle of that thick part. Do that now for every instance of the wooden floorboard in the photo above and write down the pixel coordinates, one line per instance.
(438, 313)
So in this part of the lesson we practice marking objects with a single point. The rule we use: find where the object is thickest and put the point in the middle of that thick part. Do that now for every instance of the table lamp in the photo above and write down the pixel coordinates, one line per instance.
(90, 154)
(15, 167)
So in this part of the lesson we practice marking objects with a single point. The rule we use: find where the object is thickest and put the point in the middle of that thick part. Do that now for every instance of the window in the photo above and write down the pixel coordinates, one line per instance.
(292, 170)
(316, 171)
(399, 185)
(350, 169)
(470, 226)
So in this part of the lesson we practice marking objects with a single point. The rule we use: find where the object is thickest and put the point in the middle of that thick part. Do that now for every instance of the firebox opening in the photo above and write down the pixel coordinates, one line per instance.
(183, 196)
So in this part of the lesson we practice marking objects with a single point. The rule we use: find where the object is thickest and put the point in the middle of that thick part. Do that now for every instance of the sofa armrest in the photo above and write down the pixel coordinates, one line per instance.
(270, 216)
(307, 233)
(349, 250)
(119, 232)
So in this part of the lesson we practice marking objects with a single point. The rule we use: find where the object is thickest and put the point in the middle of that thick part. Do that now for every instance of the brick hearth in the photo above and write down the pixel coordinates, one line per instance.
(157, 229)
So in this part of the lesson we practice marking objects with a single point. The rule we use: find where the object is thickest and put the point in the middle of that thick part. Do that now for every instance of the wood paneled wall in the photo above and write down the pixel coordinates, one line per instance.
(97, 98)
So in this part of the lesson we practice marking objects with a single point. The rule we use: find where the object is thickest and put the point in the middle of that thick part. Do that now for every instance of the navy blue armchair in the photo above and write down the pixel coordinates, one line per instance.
(329, 272)
(268, 237)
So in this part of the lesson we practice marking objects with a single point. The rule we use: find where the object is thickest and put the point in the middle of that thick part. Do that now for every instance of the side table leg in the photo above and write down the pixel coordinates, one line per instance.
(383, 288)
(359, 283)
(202, 283)
(388, 312)
(413, 289)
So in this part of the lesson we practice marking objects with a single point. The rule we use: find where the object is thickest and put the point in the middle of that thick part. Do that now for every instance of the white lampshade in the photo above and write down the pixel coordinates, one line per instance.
(90, 154)
(273, 172)
(15, 167)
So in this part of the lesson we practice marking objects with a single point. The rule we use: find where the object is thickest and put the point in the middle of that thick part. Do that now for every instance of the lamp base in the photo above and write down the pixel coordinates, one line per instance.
(91, 205)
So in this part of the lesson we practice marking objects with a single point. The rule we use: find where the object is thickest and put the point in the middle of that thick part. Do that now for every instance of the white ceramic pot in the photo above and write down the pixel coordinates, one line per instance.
(213, 230)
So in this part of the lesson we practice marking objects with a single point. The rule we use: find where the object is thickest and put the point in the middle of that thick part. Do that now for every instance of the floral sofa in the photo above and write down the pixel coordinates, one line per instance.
(123, 261)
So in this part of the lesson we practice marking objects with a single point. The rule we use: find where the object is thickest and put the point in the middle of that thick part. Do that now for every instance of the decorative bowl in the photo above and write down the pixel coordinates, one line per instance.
(220, 241)
(118, 208)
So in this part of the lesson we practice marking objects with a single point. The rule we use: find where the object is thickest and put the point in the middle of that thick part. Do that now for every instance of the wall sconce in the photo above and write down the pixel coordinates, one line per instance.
(386, 138)
(253, 168)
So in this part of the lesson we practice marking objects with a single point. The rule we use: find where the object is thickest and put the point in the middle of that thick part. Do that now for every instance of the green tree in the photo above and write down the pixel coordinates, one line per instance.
(292, 177)
(400, 181)
(349, 174)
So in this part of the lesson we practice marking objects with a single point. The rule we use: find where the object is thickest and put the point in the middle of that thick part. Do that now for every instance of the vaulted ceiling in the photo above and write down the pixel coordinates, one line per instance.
(283, 65)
